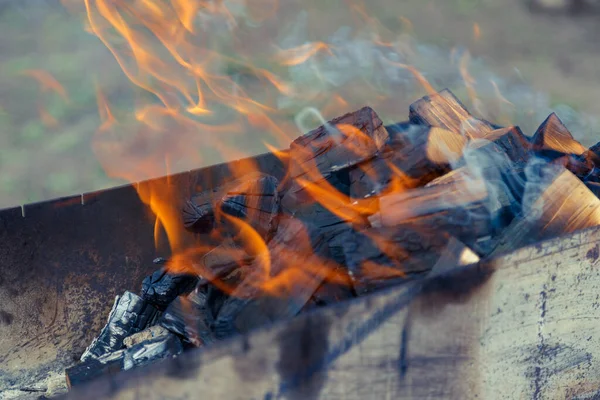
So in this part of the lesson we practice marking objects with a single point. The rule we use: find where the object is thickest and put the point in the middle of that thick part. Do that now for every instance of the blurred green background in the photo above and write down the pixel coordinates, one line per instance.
(45, 140)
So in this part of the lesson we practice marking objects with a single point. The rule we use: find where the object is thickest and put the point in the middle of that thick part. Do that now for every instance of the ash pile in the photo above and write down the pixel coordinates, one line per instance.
(362, 207)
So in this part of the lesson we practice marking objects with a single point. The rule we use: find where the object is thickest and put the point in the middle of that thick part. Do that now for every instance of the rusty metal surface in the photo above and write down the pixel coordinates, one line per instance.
(63, 261)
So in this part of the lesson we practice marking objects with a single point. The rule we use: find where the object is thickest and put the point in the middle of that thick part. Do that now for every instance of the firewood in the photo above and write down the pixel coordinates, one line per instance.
(189, 317)
(444, 110)
(92, 368)
(421, 156)
(147, 334)
(383, 257)
(162, 287)
(257, 301)
(340, 143)
(564, 205)
(553, 136)
(253, 198)
(130, 314)
(509, 142)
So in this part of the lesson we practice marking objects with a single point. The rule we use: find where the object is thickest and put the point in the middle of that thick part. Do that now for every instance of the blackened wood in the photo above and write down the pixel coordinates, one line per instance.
(93, 368)
(149, 351)
(279, 291)
(382, 257)
(580, 165)
(553, 135)
(340, 143)
(147, 334)
(337, 287)
(130, 314)
(562, 204)
(423, 154)
(223, 259)
(444, 110)
(253, 198)
(162, 287)
(190, 318)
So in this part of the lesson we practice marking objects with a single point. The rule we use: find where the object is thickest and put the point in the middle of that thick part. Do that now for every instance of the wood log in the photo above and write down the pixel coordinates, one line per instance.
(253, 198)
(509, 142)
(553, 136)
(444, 110)
(521, 326)
(93, 368)
(422, 155)
(563, 205)
(161, 288)
(277, 285)
(342, 142)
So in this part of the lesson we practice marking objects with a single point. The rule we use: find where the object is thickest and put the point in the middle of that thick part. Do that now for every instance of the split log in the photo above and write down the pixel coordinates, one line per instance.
(130, 314)
(253, 198)
(444, 110)
(276, 286)
(383, 257)
(422, 155)
(563, 205)
(553, 136)
(340, 143)
(142, 336)
(505, 142)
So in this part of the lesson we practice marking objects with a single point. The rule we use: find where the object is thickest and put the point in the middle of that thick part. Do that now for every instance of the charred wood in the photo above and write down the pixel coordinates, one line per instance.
(147, 334)
(109, 364)
(152, 350)
(278, 285)
(130, 314)
(162, 287)
(190, 318)
(340, 143)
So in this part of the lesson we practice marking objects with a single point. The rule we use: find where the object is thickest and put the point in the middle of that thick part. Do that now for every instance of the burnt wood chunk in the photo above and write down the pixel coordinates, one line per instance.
(190, 318)
(152, 350)
(162, 287)
(340, 143)
(279, 291)
(423, 154)
(223, 260)
(560, 204)
(147, 334)
(253, 198)
(444, 110)
(83, 372)
(553, 137)
(130, 314)
(382, 257)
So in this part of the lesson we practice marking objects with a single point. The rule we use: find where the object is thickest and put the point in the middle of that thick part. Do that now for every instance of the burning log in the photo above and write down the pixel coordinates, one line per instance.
(339, 144)
(189, 317)
(253, 198)
(412, 159)
(161, 288)
(130, 314)
(277, 285)
(509, 142)
(444, 110)
(382, 257)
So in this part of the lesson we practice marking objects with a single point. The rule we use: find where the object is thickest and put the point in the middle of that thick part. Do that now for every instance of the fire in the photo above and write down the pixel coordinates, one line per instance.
(201, 97)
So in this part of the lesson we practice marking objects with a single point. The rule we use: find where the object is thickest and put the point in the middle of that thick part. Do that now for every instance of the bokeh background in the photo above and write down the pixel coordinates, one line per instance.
(524, 62)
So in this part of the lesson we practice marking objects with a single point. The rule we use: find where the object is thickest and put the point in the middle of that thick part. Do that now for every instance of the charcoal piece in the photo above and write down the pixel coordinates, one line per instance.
(162, 287)
(340, 143)
(337, 287)
(223, 260)
(253, 198)
(444, 110)
(382, 257)
(294, 275)
(152, 350)
(83, 372)
(553, 137)
(160, 261)
(424, 154)
(147, 334)
(190, 318)
(130, 314)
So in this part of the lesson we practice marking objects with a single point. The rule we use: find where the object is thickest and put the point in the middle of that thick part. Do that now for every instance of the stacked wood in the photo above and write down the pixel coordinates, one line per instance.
(364, 207)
